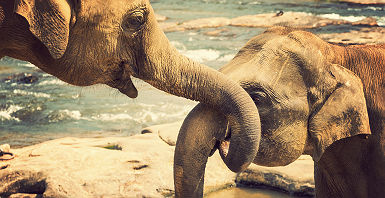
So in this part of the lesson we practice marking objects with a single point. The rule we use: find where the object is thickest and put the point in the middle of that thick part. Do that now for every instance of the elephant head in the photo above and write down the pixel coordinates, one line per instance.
(86, 42)
(305, 104)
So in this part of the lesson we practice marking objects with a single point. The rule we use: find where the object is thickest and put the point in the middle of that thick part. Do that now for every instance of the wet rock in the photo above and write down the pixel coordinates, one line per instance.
(5, 69)
(24, 195)
(22, 78)
(368, 21)
(75, 167)
(168, 26)
(160, 17)
(220, 32)
(141, 167)
(167, 132)
(375, 35)
(5, 147)
(296, 178)
(292, 19)
(198, 24)
(28, 79)
(364, 1)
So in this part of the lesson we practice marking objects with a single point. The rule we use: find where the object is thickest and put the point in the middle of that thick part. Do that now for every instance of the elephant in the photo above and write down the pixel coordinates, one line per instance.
(313, 98)
(86, 42)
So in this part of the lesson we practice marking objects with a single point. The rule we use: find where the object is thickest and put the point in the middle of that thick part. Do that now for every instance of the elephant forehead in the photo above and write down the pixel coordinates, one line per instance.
(109, 9)
(116, 4)
(270, 68)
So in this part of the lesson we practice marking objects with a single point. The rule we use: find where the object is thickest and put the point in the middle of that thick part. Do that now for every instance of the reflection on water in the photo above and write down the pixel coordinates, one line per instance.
(241, 192)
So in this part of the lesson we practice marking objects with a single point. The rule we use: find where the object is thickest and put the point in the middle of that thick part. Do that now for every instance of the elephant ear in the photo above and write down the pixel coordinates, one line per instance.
(341, 113)
(49, 21)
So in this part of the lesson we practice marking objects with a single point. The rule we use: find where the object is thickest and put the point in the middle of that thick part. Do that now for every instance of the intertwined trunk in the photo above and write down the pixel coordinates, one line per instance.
(168, 70)
(173, 73)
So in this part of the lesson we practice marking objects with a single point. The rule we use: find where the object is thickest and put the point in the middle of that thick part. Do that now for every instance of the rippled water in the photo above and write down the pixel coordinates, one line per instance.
(242, 192)
(35, 106)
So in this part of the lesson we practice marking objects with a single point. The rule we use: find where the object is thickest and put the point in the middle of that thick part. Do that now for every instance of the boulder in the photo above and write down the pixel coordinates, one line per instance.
(365, 2)
(374, 35)
(368, 21)
(292, 19)
(167, 132)
(136, 166)
(197, 24)
(220, 32)
(160, 17)
(296, 178)
(5, 69)
(22, 78)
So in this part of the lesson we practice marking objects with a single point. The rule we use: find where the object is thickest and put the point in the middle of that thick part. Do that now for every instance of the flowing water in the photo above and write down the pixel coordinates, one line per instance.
(36, 107)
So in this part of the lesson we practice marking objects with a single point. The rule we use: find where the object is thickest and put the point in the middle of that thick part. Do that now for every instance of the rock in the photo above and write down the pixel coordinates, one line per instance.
(22, 78)
(220, 32)
(28, 79)
(198, 24)
(82, 167)
(296, 178)
(365, 1)
(375, 35)
(368, 21)
(170, 26)
(160, 18)
(167, 132)
(5, 154)
(292, 19)
(24, 195)
(136, 166)
(5, 147)
(5, 69)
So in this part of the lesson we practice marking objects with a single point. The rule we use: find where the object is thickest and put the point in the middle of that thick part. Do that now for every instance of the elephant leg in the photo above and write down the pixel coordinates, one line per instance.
(197, 139)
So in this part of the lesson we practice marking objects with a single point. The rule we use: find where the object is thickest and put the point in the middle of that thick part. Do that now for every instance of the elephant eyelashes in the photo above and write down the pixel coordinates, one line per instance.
(260, 97)
(133, 21)
(261, 94)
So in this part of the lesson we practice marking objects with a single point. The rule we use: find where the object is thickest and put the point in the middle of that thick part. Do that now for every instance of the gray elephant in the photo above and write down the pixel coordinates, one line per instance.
(309, 103)
(86, 42)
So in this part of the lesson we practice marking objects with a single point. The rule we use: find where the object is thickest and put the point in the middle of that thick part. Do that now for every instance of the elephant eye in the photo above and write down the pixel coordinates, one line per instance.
(260, 97)
(133, 21)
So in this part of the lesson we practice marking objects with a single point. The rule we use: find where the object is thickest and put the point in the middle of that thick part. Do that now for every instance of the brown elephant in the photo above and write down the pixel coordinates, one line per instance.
(86, 42)
(309, 103)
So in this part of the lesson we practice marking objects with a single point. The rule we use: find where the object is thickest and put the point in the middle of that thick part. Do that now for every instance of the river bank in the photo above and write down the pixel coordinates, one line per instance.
(136, 166)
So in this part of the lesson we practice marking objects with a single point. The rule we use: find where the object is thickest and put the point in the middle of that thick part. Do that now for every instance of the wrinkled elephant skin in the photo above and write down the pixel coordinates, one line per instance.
(313, 98)
(86, 42)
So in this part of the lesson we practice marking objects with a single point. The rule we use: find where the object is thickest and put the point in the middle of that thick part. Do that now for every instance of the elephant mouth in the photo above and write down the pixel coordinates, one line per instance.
(126, 87)
(224, 145)
(123, 82)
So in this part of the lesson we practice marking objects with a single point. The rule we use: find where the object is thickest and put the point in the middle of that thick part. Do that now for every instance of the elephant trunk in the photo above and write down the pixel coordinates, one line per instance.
(168, 70)
(196, 141)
